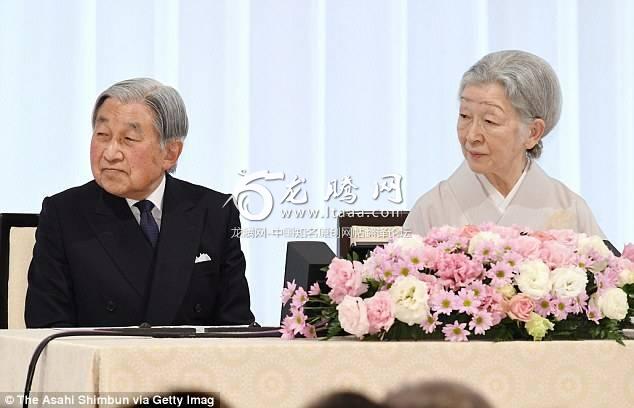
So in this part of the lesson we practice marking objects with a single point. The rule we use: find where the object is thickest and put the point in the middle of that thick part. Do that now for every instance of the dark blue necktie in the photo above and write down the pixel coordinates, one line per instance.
(148, 224)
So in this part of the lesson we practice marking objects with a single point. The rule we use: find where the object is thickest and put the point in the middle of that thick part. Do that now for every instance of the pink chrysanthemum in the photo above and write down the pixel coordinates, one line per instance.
(387, 272)
(309, 331)
(609, 278)
(466, 302)
(561, 307)
(415, 257)
(584, 261)
(402, 268)
(594, 313)
(456, 331)
(430, 323)
(543, 306)
(512, 259)
(315, 289)
(486, 252)
(500, 274)
(578, 304)
(288, 291)
(479, 289)
(300, 298)
(286, 330)
(298, 321)
(443, 302)
(583, 299)
(446, 247)
(481, 322)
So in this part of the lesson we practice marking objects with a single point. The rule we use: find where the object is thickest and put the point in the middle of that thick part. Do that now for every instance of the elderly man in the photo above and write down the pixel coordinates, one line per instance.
(136, 244)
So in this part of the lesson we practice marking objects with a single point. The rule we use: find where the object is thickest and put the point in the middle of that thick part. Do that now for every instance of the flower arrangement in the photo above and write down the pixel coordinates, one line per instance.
(457, 284)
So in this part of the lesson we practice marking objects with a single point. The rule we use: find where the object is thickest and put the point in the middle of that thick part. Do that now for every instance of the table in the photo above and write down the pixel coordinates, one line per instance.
(280, 373)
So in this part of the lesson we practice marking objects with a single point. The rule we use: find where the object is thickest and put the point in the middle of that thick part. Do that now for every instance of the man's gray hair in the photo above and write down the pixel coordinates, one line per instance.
(530, 83)
(165, 103)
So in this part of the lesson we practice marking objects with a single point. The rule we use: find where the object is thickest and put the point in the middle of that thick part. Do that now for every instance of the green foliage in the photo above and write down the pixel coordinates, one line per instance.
(579, 328)
(334, 328)
(373, 287)
(506, 330)
(402, 332)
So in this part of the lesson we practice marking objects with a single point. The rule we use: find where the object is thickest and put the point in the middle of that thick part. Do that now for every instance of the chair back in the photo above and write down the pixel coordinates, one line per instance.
(17, 238)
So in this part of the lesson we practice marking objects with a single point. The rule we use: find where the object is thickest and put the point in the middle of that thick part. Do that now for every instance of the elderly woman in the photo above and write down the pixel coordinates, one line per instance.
(509, 101)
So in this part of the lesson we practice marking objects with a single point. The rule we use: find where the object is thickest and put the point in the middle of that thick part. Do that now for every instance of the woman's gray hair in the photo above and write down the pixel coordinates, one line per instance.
(165, 103)
(530, 83)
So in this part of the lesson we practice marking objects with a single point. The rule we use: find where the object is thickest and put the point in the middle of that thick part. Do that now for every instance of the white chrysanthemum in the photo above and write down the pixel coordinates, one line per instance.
(411, 300)
(613, 303)
(533, 279)
(568, 281)
(484, 236)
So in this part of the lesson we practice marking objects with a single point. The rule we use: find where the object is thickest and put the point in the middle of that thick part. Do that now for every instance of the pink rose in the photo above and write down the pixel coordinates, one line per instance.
(556, 254)
(628, 252)
(469, 231)
(566, 237)
(526, 246)
(380, 312)
(345, 278)
(353, 316)
(543, 235)
(520, 307)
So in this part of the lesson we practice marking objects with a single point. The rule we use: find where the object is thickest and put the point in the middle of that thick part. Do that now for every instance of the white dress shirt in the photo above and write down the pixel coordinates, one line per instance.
(156, 197)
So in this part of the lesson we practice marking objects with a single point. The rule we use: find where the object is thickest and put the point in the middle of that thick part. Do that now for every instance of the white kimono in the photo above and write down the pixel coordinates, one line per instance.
(539, 202)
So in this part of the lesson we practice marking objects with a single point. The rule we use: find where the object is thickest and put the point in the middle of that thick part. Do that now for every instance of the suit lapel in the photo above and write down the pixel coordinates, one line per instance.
(178, 244)
(122, 238)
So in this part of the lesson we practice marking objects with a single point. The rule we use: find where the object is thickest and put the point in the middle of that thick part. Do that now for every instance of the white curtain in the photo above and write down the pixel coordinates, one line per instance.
(315, 89)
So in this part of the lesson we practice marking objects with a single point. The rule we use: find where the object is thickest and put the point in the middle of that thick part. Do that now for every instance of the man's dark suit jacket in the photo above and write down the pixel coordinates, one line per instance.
(93, 266)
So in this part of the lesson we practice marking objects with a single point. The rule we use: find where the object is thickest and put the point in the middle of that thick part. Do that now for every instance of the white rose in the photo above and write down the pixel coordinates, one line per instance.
(587, 244)
(568, 281)
(353, 316)
(613, 303)
(413, 242)
(533, 278)
(626, 276)
(481, 237)
(410, 298)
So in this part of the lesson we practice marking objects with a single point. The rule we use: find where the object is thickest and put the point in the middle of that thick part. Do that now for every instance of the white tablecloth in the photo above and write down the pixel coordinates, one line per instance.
(278, 373)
